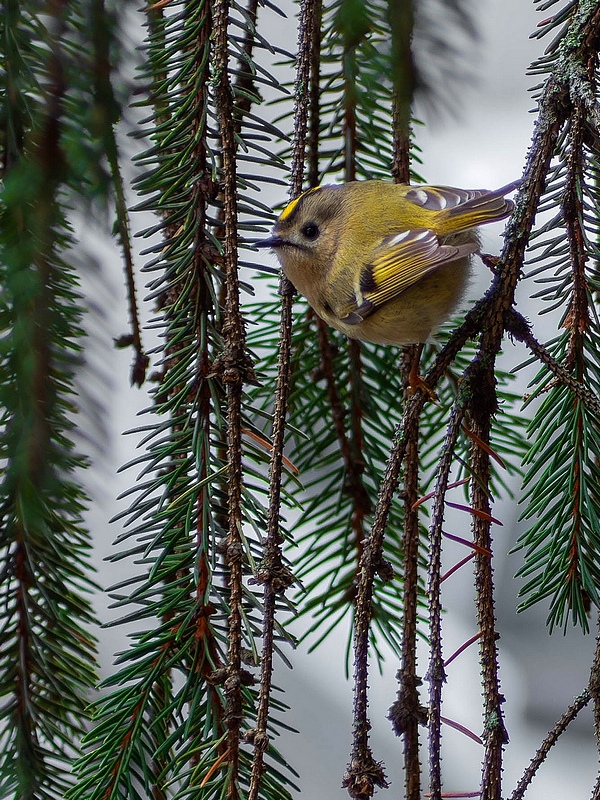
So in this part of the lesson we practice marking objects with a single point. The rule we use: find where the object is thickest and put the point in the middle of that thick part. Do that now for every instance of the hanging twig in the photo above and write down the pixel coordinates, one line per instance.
(519, 328)
(314, 100)
(105, 116)
(363, 770)
(272, 570)
(542, 753)
(436, 674)
(350, 447)
(495, 735)
(594, 694)
(234, 368)
(407, 713)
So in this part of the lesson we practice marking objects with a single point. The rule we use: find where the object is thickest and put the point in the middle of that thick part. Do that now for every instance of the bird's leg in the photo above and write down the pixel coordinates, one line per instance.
(415, 381)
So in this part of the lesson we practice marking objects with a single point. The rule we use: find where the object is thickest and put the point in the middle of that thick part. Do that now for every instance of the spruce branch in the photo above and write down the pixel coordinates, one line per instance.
(349, 442)
(407, 713)
(182, 705)
(495, 737)
(47, 658)
(106, 115)
(567, 571)
(314, 100)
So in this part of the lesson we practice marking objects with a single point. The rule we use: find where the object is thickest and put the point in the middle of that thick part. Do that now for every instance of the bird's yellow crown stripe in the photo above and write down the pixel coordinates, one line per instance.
(289, 209)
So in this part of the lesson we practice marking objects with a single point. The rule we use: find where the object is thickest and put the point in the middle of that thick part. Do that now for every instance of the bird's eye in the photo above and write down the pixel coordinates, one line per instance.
(311, 231)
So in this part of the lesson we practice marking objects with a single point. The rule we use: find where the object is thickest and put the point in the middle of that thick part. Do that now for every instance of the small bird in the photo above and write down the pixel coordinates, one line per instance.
(383, 262)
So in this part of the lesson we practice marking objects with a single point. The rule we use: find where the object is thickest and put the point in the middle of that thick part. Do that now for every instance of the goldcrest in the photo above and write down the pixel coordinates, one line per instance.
(384, 262)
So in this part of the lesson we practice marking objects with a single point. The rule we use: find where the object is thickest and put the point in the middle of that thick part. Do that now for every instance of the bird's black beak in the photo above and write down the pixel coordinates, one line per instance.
(273, 242)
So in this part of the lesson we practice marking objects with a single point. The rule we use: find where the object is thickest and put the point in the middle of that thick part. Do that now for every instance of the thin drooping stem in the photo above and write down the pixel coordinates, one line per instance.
(363, 772)
(519, 328)
(407, 713)
(436, 674)
(593, 692)
(542, 753)
(495, 735)
(234, 368)
(272, 570)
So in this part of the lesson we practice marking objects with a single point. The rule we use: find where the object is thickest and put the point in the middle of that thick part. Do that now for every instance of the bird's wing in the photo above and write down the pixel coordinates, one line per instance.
(460, 209)
(401, 261)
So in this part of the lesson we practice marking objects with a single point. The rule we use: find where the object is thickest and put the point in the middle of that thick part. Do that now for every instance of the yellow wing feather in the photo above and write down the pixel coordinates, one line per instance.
(402, 260)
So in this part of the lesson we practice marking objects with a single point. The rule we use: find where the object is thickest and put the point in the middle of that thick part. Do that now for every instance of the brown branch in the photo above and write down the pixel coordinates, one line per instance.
(407, 713)
(401, 22)
(482, 389)
(518, 327)
(306, 32)
(363, 771)
(234, 368)
(401, 148)
(360, 496)
(580, 702)
(202, 193)
(577, 319)
(272, 570)
(244, 86)
(350, 447)
(349, 129)
(594, 693)
(314, 101)
(436, 674)
(105, 116)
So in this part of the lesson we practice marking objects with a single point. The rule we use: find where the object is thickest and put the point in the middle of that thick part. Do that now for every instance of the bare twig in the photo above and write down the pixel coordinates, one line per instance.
(314, 122)
(105, 114)
(594, 695)
(580, 702)
(272, 570)
(350, 447)
(234, 368)
(407, 713)
(436, 674)
(363, 769)
(520, 329)
(495, 735)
